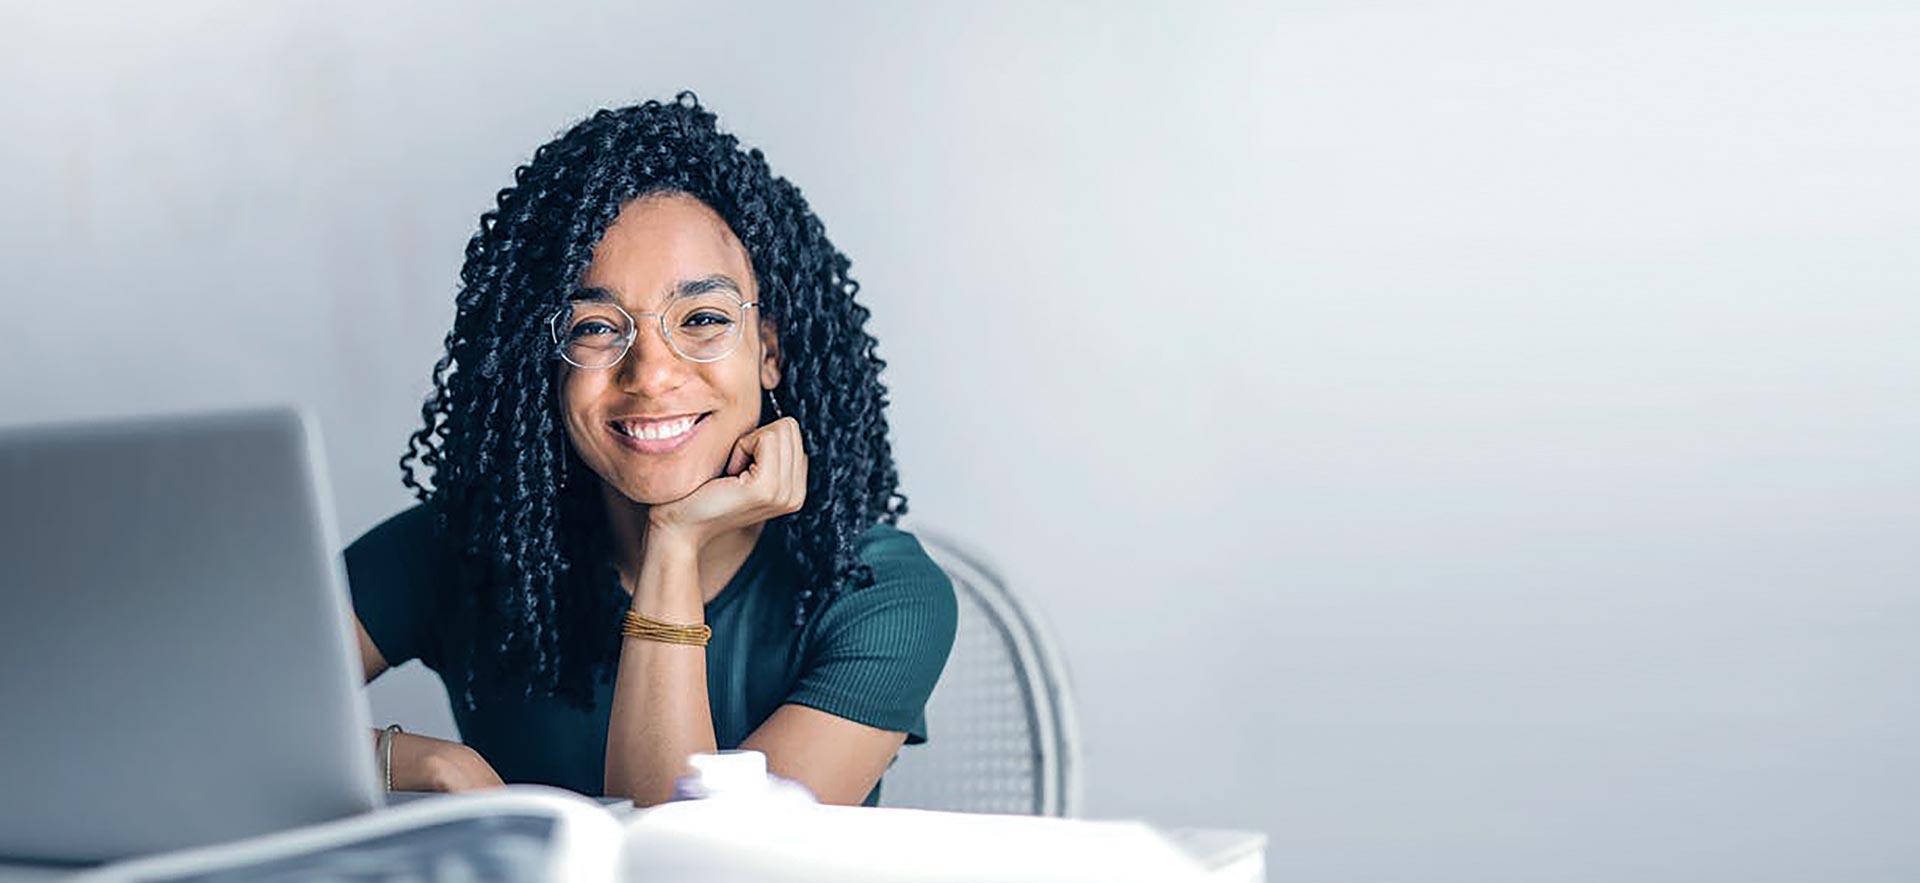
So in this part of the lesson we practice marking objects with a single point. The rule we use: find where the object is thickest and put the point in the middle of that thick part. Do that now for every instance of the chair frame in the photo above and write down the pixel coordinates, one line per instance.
(1044, 680)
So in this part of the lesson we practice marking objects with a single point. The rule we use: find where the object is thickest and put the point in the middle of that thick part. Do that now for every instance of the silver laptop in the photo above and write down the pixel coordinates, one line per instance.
(176, 664)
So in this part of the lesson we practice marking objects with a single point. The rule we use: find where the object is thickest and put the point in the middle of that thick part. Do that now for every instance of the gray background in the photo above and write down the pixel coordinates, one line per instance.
(1466, 442)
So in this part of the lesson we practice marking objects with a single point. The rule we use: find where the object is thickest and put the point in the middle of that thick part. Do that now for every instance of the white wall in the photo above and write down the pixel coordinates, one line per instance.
(1470, 443)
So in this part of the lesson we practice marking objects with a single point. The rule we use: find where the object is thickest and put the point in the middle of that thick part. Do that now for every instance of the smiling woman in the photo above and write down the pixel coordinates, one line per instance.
(657, 497)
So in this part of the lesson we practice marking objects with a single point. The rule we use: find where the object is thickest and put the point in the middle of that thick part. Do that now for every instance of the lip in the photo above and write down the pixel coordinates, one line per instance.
(657, 445)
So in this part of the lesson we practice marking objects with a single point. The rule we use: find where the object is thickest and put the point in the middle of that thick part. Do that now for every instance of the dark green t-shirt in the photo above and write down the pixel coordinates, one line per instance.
(870, 655)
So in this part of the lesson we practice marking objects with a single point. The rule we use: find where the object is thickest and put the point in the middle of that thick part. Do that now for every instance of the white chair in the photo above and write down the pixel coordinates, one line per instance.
(1002, 737)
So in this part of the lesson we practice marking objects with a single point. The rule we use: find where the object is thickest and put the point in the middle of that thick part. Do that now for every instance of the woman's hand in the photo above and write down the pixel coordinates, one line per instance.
(423, 763)
(766, 477)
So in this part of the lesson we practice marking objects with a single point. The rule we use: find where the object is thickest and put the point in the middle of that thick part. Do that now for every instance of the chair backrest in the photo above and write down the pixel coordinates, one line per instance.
(1002, 737)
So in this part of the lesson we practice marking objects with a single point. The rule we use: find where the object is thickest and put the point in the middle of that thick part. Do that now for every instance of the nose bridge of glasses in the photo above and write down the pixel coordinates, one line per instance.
(644, 345)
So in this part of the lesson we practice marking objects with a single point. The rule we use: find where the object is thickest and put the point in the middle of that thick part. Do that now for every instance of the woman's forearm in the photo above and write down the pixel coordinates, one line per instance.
(660, 714)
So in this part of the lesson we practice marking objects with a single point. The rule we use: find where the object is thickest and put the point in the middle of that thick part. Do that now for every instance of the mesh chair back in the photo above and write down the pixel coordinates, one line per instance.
(1001, 731)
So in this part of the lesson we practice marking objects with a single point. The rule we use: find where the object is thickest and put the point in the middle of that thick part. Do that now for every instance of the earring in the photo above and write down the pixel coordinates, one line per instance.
(775, 402)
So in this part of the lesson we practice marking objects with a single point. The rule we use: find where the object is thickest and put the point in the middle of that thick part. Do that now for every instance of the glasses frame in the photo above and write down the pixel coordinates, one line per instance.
(633, 333)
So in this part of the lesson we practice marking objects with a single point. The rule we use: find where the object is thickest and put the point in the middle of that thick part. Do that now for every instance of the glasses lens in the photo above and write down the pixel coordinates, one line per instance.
(704, 327)
(593, 335)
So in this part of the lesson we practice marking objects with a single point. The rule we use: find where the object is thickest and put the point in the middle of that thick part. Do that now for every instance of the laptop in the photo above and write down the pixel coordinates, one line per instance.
(177, 666)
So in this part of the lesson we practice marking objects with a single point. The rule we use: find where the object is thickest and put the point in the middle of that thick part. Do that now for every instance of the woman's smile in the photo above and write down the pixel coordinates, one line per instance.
(657, 435)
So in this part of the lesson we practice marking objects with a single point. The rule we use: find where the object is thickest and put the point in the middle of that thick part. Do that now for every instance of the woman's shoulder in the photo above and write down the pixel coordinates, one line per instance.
(900, 562)
(907, 585)
(413, 522)
(877, 650)
(405, 536)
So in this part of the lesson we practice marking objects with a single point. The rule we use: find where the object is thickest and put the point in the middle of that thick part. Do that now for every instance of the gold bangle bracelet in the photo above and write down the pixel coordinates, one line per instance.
(637, 626)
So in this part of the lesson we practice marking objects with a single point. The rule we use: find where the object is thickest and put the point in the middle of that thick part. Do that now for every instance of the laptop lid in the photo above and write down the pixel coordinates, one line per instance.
(176, 661)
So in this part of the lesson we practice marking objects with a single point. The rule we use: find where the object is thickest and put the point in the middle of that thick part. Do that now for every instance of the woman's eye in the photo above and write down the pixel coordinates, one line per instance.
(590, 328)
(707, 318)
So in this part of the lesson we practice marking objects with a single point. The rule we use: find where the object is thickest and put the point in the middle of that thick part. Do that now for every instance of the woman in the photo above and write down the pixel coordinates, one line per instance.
(660, 513)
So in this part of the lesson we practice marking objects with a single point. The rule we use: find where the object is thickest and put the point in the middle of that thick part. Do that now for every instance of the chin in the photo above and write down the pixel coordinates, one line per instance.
(655, 490)
(653, 480)
(646, 494)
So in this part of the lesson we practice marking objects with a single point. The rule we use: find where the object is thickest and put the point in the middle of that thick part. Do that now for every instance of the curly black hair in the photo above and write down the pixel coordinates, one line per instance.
(535, 544)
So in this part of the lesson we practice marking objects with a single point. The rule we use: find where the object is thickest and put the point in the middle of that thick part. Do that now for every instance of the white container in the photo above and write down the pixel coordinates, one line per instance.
(738, 775)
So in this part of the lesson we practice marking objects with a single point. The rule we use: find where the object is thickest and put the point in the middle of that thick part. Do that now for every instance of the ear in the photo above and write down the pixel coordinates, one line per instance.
(769, 355)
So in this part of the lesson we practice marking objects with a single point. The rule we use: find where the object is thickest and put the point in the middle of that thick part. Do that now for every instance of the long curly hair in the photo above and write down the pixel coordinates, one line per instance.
(535, 543)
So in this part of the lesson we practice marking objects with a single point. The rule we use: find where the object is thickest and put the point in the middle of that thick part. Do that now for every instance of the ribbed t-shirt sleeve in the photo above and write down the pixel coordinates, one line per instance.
(390, 574)
(876, 652)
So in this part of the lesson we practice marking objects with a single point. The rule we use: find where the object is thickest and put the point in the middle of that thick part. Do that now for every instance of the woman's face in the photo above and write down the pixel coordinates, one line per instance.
(657, 244)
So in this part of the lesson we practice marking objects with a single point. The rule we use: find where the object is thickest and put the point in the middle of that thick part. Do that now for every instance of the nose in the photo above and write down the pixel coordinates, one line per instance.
(651, 368)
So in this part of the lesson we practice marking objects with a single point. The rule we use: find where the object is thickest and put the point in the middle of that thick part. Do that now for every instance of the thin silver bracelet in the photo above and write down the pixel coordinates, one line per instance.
(386, 753)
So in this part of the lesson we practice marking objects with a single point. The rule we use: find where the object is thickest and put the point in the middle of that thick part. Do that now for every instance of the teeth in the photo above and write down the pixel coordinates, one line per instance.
(656, 431)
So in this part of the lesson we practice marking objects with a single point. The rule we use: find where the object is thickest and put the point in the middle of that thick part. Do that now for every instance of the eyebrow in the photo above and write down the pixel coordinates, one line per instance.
(683, 288)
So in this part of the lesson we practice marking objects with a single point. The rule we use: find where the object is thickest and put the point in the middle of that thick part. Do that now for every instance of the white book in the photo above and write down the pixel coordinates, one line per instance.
(517, 833)
(529, 833)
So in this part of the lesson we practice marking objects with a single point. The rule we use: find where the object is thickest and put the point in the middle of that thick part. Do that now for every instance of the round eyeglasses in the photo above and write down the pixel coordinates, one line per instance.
(699, 328)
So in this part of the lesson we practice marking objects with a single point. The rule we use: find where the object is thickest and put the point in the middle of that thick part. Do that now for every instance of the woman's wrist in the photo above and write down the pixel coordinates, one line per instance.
(672, 538)
(669, 583)
(409, 762)
(423, 763)
(671, 541)
(384, 745)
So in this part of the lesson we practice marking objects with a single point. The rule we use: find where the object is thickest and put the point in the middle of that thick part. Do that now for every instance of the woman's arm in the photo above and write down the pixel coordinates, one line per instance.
(372, 664)
(390, 572)
(660, 714)
(839, 759)
(423, 763)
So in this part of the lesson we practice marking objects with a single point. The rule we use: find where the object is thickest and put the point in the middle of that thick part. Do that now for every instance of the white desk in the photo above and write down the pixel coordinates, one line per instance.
(1229, 856)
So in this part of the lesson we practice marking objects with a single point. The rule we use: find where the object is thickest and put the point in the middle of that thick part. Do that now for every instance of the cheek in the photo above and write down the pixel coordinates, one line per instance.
(574, 393)
(741, 385)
